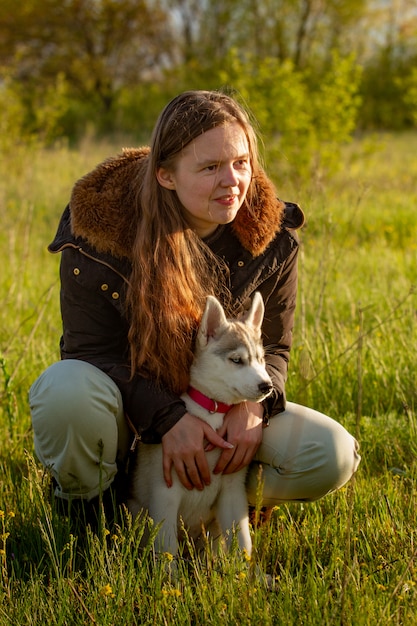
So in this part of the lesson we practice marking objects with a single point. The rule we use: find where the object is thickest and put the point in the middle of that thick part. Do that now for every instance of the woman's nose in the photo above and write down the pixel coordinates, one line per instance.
(229, 176)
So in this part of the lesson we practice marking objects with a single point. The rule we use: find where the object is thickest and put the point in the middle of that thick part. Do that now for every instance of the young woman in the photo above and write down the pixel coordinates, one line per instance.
(145, 238)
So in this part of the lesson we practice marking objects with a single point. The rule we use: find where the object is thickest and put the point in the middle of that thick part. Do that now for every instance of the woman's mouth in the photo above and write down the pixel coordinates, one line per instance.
(226, 200)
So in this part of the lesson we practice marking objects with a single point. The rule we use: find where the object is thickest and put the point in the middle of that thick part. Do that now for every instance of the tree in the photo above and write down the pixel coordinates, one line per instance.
(100, 46)
(300, 31)
(389, 65)
(106, 55)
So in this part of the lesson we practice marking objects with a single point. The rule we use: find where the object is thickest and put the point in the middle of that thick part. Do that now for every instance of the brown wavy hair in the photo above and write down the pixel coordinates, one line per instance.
(173, 270)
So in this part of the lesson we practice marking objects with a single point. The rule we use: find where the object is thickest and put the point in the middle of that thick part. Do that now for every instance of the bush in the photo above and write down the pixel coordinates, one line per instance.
(305, 122)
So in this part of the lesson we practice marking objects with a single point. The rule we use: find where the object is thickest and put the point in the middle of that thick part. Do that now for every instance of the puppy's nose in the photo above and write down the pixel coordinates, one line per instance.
(265, 387)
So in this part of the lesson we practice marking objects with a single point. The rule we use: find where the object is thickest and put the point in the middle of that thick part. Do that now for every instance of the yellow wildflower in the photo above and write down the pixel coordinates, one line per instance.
(107, 591)
(246, 555)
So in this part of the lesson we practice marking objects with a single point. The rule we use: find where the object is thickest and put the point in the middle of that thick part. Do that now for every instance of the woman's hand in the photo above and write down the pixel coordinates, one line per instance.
(242, 427)
(183, 448)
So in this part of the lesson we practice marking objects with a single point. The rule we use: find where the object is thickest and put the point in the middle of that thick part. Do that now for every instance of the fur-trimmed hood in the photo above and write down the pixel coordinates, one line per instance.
(103, 207)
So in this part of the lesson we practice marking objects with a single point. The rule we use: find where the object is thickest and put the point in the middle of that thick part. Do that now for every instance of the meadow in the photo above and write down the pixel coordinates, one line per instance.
(350, 558)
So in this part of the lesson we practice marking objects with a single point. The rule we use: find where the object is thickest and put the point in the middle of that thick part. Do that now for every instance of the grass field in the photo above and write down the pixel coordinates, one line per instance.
(348, 559)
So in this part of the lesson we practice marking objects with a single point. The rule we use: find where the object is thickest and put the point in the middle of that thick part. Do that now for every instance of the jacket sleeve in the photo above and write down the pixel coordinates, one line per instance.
(95, 330)
(280, 294)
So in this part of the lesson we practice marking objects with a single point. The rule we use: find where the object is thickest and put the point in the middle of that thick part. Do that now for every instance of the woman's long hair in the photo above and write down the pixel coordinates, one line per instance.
(173, 270)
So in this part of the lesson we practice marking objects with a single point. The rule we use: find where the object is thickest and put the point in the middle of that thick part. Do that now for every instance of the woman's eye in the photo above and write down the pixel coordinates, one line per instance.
(211, 168)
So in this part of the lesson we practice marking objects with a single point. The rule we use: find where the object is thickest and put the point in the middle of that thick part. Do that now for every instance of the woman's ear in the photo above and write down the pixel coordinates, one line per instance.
(165, 178)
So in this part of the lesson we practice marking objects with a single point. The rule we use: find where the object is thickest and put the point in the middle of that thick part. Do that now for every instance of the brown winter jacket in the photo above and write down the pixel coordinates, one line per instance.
(95, 236)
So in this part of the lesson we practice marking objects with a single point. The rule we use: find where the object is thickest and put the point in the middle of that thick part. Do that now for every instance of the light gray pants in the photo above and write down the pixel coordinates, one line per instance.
(81, 435)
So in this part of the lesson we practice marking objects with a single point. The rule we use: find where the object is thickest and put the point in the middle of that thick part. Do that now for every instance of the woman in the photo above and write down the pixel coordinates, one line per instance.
(146, 236)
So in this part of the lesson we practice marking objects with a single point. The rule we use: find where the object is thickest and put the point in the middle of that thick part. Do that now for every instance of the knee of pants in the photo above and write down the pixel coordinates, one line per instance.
(304, 456)
(78, 424)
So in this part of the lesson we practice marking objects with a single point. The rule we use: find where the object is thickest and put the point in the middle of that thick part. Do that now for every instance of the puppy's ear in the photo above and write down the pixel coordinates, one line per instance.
(213, 319)
(254, 317)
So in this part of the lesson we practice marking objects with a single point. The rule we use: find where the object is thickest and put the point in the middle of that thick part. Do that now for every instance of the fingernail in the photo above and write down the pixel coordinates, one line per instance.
(229, 445)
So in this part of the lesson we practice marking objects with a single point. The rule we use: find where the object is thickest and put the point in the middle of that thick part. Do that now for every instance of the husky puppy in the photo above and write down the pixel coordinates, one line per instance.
(228, 368)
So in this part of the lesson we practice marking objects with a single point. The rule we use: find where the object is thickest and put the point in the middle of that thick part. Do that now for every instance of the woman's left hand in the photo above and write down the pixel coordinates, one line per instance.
(242, 427)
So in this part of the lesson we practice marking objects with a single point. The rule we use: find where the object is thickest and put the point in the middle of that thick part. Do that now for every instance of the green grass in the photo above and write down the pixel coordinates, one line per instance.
(347, 559)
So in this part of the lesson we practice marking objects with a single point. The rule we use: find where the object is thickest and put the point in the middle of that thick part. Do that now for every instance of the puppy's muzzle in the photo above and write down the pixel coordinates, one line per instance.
(265, 388)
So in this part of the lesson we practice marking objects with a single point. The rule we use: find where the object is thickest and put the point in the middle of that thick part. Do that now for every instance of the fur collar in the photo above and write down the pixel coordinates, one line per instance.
(103, 207)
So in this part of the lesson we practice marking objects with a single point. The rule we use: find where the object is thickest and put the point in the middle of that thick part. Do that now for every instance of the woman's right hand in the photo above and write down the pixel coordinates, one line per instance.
(183, 449)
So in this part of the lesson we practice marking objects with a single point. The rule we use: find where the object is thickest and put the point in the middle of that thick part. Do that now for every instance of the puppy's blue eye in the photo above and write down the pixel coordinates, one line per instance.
(236, 359)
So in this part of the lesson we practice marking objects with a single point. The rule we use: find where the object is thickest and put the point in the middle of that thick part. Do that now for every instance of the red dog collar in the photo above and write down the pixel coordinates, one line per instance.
(211, 405)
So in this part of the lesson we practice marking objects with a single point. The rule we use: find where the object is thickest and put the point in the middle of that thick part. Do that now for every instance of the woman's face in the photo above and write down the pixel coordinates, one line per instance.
(211, 177)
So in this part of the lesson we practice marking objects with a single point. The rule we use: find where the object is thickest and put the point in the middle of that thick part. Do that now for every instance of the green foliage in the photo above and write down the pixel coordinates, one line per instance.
(139, 107)
(409, 85)
(76, 64)
(84, 50)
(305, 124)
(31, 118)
(12, 118)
